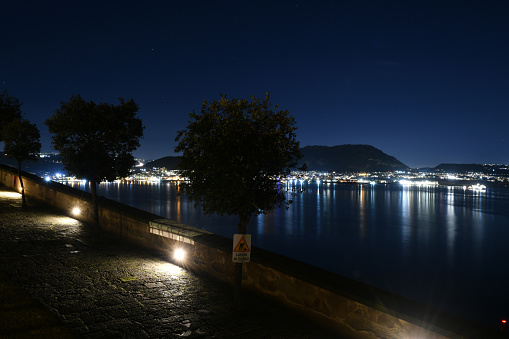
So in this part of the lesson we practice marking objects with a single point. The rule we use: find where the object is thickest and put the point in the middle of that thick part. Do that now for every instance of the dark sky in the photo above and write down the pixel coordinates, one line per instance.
(424, 81)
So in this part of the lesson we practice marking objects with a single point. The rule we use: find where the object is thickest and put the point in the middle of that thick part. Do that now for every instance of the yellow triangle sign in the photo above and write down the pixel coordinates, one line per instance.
(242, 246)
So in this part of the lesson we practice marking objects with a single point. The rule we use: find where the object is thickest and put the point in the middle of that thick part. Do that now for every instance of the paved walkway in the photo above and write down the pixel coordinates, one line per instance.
(60, 280)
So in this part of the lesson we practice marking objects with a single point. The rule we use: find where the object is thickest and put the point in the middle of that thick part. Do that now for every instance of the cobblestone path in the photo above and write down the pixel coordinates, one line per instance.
(102, 287)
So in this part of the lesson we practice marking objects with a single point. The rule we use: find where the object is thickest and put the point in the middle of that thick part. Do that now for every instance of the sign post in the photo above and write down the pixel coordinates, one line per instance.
(241, 248)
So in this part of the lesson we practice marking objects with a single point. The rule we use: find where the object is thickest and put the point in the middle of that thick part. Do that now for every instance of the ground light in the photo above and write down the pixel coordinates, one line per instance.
(5, 194)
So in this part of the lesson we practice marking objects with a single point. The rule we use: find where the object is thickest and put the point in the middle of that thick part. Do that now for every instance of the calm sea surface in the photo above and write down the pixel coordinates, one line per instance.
(445, 246)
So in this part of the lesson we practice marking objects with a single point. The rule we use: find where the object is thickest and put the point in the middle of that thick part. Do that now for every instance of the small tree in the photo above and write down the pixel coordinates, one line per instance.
(96, 140)
(10, 109)
(22, 143)
(233, 153)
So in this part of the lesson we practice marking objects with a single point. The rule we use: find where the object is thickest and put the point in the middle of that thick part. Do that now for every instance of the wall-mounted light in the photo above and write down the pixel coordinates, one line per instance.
(76, 211)
(179, 254)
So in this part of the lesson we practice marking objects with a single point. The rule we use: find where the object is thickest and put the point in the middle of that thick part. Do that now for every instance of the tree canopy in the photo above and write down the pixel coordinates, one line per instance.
(96, 140)
(10, 109)
(21, 139)
(233, 153)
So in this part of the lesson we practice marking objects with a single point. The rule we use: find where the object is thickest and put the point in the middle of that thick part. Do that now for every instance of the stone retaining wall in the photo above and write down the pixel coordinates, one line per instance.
(352, 308)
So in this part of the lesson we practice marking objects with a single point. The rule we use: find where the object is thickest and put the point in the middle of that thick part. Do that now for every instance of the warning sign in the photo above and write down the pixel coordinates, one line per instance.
(241, 247)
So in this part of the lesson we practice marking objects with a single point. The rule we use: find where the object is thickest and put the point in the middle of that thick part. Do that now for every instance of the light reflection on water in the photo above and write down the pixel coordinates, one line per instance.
(441, 245)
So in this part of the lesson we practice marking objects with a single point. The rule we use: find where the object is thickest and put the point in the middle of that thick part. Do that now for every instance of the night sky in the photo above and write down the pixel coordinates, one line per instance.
(424, 81)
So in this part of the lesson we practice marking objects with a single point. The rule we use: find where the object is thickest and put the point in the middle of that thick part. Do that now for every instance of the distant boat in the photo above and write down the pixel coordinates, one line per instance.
(477, 187)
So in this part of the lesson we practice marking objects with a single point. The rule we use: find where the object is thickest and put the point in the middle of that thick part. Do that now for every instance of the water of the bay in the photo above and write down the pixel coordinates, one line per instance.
(445, 246)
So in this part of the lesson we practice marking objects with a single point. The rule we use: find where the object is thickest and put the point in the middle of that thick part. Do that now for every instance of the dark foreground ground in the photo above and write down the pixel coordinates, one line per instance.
(58, 279)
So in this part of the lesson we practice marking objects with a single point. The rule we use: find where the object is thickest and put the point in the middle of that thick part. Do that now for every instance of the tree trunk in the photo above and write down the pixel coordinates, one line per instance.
(23, 199)
(95, 203)
(237, 283)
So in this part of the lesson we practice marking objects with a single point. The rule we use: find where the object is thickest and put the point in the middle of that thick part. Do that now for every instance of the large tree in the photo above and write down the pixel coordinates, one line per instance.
(21, 139)
(233, 153)
(95, 141)
(10, 109)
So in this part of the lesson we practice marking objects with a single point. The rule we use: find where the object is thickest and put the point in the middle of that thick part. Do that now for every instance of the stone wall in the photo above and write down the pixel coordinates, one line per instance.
(350, 307)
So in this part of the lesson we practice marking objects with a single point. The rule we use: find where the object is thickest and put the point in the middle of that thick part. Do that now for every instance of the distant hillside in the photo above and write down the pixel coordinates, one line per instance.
(343, 158)
(475, 168)
(349, 158)
(169, 162)
(41, 167)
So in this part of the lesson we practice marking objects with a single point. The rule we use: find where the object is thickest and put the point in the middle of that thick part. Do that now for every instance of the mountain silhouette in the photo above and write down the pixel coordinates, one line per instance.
(349, 158)
(342, 158)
